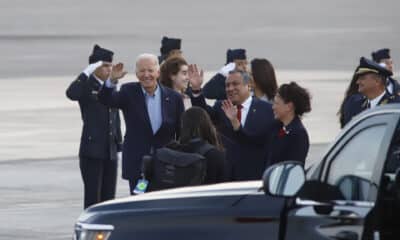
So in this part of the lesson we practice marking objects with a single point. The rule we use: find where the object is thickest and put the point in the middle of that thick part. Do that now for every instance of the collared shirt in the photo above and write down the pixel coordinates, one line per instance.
(187, 102)
(245, 110)
(374, 102)
(98, 79)
(153, 104)
(109, 84)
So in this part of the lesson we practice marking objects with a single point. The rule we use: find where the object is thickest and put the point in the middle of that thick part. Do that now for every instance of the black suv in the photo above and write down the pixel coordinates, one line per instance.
(352, 193)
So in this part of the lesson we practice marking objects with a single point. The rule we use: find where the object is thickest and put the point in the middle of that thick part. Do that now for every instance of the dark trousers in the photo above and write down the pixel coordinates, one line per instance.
(99, 179)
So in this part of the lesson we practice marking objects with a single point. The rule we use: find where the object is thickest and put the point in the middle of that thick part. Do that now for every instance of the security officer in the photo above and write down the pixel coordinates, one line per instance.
(215, 87)
(371, 79)
(101, 135)
(169, 47)
(383, 58)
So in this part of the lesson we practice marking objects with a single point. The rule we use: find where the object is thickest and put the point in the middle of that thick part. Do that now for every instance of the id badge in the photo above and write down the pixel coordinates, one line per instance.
(141, 186)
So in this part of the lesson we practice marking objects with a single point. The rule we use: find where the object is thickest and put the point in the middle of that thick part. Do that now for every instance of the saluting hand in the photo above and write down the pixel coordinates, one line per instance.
(196, 76)
(117, 73)
(227, 68)
(92, 67)
(230, 111)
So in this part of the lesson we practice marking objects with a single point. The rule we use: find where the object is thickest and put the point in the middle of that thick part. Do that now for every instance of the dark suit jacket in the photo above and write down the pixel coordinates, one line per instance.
(215, 88)
(358, 103)
(246, 149)
(289, 145)
(101, 134)
(139, 137)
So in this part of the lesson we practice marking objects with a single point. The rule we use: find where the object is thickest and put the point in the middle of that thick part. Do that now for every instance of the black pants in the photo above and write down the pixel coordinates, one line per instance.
(99, 179)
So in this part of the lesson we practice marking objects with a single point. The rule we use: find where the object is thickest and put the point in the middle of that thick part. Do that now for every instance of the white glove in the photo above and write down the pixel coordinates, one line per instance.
(227, 68)
(92, 67)
(382, 64)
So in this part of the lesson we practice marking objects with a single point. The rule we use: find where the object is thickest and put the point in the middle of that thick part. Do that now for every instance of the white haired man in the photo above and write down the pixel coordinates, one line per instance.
(151, 112)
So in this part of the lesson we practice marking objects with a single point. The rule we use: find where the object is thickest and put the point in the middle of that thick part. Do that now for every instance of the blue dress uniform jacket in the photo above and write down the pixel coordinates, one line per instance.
(139, 138)
(246, 149)
(290, 143)
(101, 134)
(215, 88)
(357, 104)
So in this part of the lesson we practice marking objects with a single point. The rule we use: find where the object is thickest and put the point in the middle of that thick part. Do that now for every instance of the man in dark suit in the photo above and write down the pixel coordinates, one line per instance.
(151, 112)
(371, 81)
(101, 135)
(383, 58)
(244, 124)
(215, 87)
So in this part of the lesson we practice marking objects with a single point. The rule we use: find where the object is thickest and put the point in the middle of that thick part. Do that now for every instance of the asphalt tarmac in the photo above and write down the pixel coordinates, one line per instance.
(44, 45)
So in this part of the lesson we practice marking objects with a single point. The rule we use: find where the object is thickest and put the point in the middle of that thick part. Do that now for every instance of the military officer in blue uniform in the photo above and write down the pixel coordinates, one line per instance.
(169, 47)
(371, 80)
(215, 87)
(101, 134)
(382, 57)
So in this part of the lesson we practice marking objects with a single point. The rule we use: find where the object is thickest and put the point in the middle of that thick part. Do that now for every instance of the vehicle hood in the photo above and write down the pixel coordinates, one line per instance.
(215, 195)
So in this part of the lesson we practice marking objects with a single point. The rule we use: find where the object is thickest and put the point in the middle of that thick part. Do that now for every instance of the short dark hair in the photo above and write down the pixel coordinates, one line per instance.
(300, 97)
(171, 66)
(264, 76)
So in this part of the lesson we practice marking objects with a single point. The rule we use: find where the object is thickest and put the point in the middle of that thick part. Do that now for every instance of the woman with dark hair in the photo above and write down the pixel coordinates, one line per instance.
(174, 73)
(350, 95)
(290, 140)
(264, 80)
(197, 129)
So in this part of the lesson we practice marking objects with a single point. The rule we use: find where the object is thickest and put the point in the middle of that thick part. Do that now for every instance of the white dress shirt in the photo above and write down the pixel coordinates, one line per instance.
(99, 80)
(245, 110)
(374, 102)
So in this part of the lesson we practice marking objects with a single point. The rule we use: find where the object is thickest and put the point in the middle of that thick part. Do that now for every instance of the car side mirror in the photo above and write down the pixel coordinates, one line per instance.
(284, 179)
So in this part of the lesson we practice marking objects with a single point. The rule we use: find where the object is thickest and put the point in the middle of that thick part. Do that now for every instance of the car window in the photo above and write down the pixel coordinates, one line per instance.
(352, 168)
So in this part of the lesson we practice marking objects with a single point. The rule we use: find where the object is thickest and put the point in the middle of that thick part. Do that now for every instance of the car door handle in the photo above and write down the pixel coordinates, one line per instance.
(346, 235)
